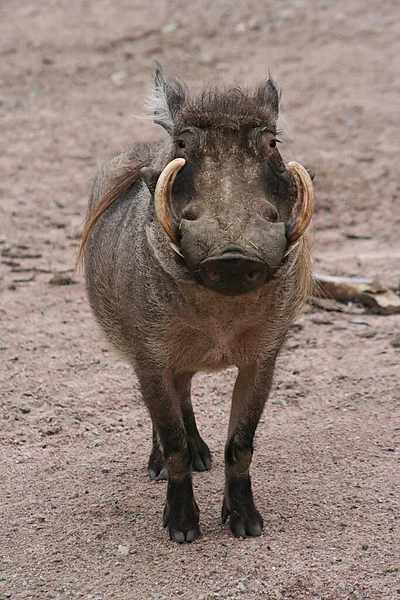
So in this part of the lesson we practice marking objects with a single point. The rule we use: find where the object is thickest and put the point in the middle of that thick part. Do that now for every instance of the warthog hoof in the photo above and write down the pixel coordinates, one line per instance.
(182, 521)
(155, 466)
(243, 522)
(201, 455)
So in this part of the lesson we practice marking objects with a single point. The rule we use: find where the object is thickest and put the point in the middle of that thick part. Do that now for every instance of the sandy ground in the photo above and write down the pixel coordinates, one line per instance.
(79, 517)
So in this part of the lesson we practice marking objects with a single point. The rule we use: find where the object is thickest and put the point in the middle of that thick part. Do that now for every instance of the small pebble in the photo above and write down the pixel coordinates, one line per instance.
(396, 342)
(118, 78)
(52, 430)
(170, 28)
(61, 280)
(122, 551)
(367, 334)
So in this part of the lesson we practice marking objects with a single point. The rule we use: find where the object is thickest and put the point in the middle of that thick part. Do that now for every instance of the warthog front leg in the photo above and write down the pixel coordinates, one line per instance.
(249, 396)
(181, 513)
(201, 456)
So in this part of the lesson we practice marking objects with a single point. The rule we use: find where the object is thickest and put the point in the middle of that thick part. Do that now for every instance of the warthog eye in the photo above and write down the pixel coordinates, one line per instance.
(269, 141)
(182, 147)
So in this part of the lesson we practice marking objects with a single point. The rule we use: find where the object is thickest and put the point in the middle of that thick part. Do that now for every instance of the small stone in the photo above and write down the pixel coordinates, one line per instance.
(240, 27)
(60, 279)
(52, 430)
(396, 342)
(170, 28)
(254, 25)
(25, 410)
(367, 334)
(122, 551)
(118, 78)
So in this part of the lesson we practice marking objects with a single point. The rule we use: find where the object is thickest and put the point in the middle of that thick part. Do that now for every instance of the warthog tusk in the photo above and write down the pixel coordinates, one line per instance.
(165, 212)
(304, 206)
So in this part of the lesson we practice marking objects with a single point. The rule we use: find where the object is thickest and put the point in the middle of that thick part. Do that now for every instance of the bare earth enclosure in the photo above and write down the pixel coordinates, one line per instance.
(79, 516)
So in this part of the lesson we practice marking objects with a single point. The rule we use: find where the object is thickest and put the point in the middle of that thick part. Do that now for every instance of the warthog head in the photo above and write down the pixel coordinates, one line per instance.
(230, 205)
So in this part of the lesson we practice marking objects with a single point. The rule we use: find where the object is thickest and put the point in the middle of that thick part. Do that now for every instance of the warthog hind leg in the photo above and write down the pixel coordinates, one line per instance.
(200, 453)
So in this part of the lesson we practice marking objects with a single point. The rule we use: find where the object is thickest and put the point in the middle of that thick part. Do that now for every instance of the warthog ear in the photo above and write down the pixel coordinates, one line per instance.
(269, 95)
(166, 101)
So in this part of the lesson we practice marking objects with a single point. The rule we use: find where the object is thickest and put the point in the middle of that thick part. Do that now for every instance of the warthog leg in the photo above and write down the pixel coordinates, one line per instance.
(181, 513)
(249, 396)
(201, 456)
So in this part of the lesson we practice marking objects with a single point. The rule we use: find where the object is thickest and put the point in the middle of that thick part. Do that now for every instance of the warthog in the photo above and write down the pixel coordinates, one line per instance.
(195, 260)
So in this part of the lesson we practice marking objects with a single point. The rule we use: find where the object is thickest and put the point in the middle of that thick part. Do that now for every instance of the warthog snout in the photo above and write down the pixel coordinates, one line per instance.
(267, 226)
(233, 273)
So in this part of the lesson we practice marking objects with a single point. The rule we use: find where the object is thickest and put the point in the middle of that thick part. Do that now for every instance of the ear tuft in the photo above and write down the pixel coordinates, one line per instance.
(166, 101)
(269, 94)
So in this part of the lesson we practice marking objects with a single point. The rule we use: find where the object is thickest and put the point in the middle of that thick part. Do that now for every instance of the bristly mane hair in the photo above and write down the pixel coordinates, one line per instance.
(173, 106)
(233, 108)
(125, 176)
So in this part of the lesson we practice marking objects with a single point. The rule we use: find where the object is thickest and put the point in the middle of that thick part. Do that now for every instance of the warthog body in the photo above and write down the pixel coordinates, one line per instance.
(199, 268)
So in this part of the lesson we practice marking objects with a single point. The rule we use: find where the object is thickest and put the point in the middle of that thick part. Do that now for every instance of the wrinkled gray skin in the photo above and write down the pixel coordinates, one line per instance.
(233, 191)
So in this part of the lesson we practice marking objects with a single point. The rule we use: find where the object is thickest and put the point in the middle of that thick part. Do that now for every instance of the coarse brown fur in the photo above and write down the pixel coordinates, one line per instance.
(234, 197)
(125, 175)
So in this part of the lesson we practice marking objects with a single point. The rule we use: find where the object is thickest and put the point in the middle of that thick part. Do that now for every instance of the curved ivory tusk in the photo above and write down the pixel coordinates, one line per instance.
(304, 206)
(163, 197)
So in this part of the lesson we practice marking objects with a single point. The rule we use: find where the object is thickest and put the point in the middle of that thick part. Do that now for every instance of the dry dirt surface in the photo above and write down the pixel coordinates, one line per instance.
(79, 516)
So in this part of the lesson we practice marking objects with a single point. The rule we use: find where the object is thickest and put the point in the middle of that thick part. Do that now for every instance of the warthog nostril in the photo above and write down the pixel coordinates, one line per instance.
(252, 275)
(213, 275)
